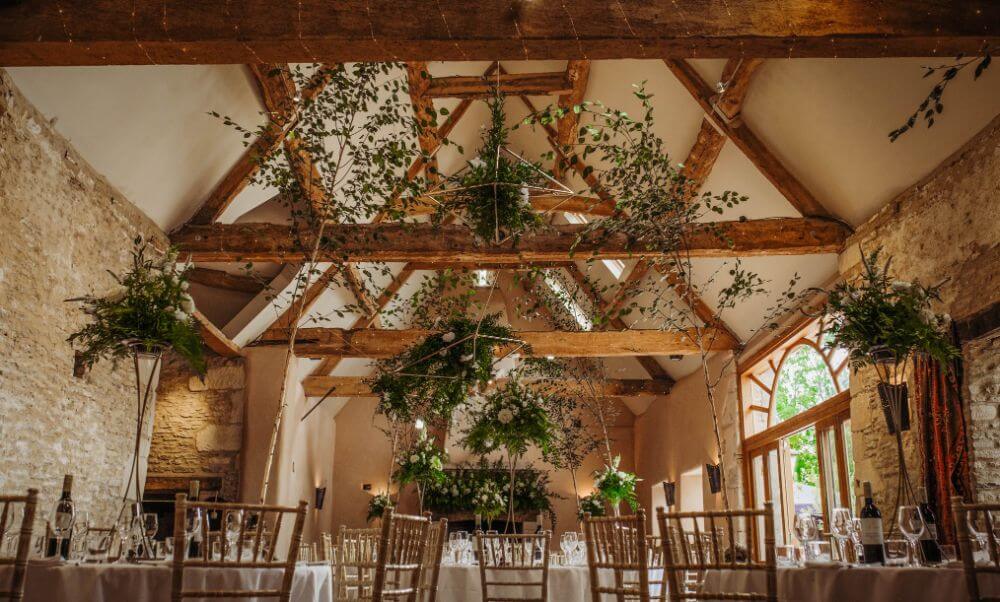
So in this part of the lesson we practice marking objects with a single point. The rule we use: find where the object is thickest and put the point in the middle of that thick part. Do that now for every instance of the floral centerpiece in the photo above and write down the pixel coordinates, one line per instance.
(617, 486)
(422, 463)
(434, 377)
(455, 493)
(149, 309)
(512, 418)
(377, 506)
(489, 501)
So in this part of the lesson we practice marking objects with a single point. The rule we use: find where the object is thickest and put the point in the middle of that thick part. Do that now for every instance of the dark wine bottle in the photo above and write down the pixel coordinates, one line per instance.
(194, 546)
(928, 541)
(63, 520)
(872, 539)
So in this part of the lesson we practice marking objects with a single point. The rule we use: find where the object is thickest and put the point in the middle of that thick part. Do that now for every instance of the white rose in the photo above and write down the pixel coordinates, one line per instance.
(414, 458)
(185, 286)
(476, 162)
(901, 286)
(505, 416)
(448, 337)
(187, 303)
(467, 358)
(116, 296)
(525, 195)
(443, 352)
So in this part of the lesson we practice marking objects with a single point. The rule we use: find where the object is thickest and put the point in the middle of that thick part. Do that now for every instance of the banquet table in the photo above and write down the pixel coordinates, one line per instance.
(460, 583)
(150, 582)
(835, 583)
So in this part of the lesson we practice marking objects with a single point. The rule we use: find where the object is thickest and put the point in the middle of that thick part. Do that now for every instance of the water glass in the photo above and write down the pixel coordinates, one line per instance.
(98, 546)
(911, 525)
(123, 528)
(840, 528)
(787, 556)
(805, 531)
(820, 551)
(234, 522)
(948, 553)
(896, 552)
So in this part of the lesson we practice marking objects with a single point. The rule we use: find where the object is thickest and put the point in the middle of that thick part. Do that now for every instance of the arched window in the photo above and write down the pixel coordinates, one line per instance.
(796, 426)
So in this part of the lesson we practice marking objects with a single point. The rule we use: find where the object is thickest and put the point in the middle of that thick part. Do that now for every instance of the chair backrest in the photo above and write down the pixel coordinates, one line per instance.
(432, 561)
(987, 516)
(400, 556)
(618, 544)
(326, 547)
(701, 541)
(235, 549)
(10, 528)
(527, 556)
(356, 560)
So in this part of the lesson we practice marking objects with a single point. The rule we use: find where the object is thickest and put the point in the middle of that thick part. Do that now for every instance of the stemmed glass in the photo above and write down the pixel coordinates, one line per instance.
(234, 521)
(456, 544)
(859, 549)
(977, 528)
(911, 524)
(150, 525)
(81, 528)
(11, 532)
(581, 548)
(840, 528)
(124, 530)
(567, 543)
(805, 531)
(192, 523)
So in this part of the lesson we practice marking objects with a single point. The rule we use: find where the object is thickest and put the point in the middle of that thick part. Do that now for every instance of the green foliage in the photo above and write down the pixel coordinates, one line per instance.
(151, 308)
(493, 191)
(435, 376)
(512, 418)
(423, 463)
(617, 486)
(488, 501)
(592, 504)
(377, 506)
(874, 311)
(457, 492)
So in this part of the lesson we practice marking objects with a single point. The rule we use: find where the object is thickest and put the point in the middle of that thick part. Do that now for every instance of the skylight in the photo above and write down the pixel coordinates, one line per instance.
(484, 278)
(571, 305)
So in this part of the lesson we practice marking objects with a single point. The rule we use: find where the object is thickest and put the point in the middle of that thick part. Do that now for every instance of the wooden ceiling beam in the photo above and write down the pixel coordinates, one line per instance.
(755, 150)
(455, 243)
(78, 32)
(511, 84)
(368, 342)
(423, 109)
(578, 76)
(354, 386)
(221, 279)
(548, 202)
(215, 339)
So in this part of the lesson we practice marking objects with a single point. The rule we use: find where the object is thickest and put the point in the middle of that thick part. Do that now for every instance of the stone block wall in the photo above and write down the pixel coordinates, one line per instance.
(943, 229)
(61, 226)
(198, 429)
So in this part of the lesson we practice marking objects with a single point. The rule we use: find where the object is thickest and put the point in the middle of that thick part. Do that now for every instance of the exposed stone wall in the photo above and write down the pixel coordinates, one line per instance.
(62, 226)
(198, 430)
(944, 228)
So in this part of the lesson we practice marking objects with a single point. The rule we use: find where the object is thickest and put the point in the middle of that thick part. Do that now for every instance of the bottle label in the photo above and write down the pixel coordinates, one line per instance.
(871, 531)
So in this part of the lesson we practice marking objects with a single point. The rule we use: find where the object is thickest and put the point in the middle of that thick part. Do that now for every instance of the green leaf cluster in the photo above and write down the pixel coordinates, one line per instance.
(432, 378)
(512, 418)
(457, 492)
(423, 463)
(377, 506)
(617, 486)
(150, 308)
(875, 311)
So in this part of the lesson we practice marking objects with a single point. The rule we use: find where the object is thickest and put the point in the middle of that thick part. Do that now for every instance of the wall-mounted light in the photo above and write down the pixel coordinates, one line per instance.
(669, 493)
(714, 472)
(366, 487)
(320, 496)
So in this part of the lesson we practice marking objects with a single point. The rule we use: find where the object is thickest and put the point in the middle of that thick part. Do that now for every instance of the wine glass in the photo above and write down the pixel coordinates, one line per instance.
(123, 527)
(911, 524)
(234, 522)
(78, 537)
(192, 523)
(805, 531)
(98, 545)
(859, 549)
(455, 545)
(11, 531)
(840, 528)
(150, 525)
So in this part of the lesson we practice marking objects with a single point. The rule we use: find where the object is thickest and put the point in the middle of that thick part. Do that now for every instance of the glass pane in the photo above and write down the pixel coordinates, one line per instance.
(848, 451)
(831, 469)
(844, 379)
(804, 381)
(805, 472)
(774, 476)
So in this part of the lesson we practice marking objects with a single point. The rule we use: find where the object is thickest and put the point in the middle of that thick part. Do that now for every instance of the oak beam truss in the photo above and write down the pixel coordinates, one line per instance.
(80, 32)
(455, 243)
(353, 386)
(221, 279)
(373, 343)
(511, 84)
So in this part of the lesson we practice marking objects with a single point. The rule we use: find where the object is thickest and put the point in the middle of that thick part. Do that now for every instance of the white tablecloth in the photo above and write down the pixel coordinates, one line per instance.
(460, 583)
(70, 582)
(886, 584)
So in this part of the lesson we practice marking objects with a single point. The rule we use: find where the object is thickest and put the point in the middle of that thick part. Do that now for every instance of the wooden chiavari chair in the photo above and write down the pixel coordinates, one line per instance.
(9, 503)
(654, 549)
(618, 544)
(432, 561)
(400, 558)
(326, 547)
(962, 512)
(500, 553)
(356, 560)
(260, 553)
(708, 550)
